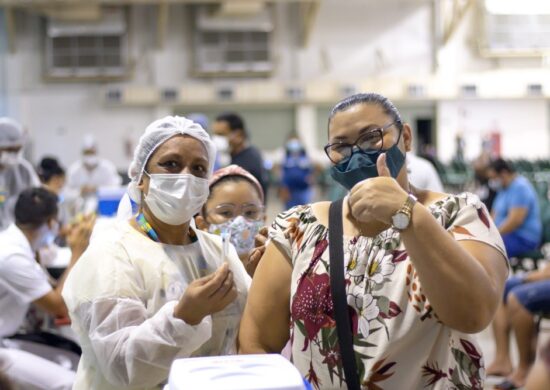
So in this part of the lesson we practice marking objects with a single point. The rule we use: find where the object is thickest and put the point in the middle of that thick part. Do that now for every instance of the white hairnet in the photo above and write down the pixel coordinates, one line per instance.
(158, 133)
(89, 142)
(11, 133)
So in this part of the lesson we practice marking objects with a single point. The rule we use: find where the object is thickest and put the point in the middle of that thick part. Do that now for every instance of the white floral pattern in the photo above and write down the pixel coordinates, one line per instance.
(398, 340)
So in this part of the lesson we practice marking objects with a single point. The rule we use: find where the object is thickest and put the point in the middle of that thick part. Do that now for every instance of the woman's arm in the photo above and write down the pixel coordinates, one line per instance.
(265, 323)
(463, 280)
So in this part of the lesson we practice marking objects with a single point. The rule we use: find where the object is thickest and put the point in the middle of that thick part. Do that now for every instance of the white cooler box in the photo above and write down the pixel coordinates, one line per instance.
(237, 372)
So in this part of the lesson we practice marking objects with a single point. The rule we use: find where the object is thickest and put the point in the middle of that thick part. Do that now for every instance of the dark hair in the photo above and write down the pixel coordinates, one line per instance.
(48, 168)
(368, 98)
(234, 121)
(35, 206)
(500, 165)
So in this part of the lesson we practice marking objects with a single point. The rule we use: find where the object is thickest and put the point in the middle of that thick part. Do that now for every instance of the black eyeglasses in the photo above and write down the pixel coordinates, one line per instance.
(371, 141)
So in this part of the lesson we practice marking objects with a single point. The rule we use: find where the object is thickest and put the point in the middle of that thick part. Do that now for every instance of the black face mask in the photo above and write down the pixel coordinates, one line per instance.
(362, 165)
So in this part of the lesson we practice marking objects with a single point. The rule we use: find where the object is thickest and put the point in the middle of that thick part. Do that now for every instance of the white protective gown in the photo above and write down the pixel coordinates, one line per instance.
(103, 175)
(121, 296)
(13, 180)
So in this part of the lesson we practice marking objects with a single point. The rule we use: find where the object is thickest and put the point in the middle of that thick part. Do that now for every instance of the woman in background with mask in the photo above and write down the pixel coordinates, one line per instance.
(422, 269)
(153, 288)
(234, 207)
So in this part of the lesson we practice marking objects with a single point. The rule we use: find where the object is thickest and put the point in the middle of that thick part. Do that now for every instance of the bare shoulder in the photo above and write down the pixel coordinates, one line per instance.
(320, 211)
(427, 198)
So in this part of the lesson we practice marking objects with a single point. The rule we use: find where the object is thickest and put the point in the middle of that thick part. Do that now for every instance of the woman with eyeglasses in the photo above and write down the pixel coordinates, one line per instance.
(235, 209)
(153, 288)
(423, 270)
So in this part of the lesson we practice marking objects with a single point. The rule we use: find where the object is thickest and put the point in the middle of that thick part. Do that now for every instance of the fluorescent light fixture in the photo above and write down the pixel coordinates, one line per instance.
(517, 7)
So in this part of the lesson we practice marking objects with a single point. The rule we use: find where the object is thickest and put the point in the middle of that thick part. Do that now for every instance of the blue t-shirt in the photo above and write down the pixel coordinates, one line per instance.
(520, 193)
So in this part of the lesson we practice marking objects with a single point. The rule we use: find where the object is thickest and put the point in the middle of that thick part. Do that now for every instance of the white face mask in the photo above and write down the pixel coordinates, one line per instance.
(176, 198)
(10, 158)
(221, 142)
(46, 236)
(90, 160)
(495, 184)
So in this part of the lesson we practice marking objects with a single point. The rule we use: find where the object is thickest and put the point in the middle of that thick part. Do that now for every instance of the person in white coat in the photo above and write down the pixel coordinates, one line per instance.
(16, 173)
(23, 282)
(422, 173)
(91, 171)
(154, 288)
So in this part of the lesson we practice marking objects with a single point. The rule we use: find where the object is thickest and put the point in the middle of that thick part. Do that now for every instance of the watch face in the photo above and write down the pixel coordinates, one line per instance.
(400, 221)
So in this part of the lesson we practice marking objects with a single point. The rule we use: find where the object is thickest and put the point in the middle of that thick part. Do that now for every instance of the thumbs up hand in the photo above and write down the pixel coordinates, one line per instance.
(378, 198)
(382, 166)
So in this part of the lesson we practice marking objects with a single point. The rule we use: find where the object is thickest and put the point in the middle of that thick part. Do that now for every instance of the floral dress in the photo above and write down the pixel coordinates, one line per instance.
(399, 342)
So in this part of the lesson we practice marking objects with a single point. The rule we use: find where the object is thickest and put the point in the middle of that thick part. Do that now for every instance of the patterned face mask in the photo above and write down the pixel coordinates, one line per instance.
(241, 230)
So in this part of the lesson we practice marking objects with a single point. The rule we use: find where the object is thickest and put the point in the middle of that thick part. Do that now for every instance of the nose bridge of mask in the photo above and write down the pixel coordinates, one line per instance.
(178, 185)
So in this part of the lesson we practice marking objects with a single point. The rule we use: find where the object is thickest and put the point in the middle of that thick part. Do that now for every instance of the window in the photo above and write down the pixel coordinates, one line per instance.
(87, 50)
(225, 46)
(513, 28)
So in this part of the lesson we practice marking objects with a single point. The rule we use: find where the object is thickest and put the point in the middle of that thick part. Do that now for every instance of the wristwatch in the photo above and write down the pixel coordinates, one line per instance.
(402, 218)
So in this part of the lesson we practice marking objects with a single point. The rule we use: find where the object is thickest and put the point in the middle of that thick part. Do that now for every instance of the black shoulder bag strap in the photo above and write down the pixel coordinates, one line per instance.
(339, 298)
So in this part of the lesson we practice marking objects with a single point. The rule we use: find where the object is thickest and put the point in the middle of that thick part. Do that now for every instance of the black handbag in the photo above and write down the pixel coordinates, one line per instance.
(339, 299)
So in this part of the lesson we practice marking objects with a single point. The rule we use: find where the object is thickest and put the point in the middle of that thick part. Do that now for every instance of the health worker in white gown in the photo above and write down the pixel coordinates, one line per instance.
(152, 288)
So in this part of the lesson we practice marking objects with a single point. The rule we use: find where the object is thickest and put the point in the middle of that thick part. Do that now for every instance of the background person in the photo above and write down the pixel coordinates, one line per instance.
(422, 173)
(232, 127)
(296, 174)
(410, 310)
(23, 281)
(152, 288)
(235, 206)
(52, 175)
(16, 173)
(91, 171)
(525, 296)
(515, 209)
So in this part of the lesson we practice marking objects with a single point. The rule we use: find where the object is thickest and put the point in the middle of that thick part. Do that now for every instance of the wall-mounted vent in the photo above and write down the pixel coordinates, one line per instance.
(468, 90)
(87, 49)
(515, 28)
(416, 91)
(295, 93)
(534, 90)
(233, 44)
(169, 95)
(348, 90)
(225, 93)
(113, 95)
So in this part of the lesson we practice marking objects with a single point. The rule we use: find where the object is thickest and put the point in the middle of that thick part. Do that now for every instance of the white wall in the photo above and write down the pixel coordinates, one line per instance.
(352, 40)
(523, 125)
